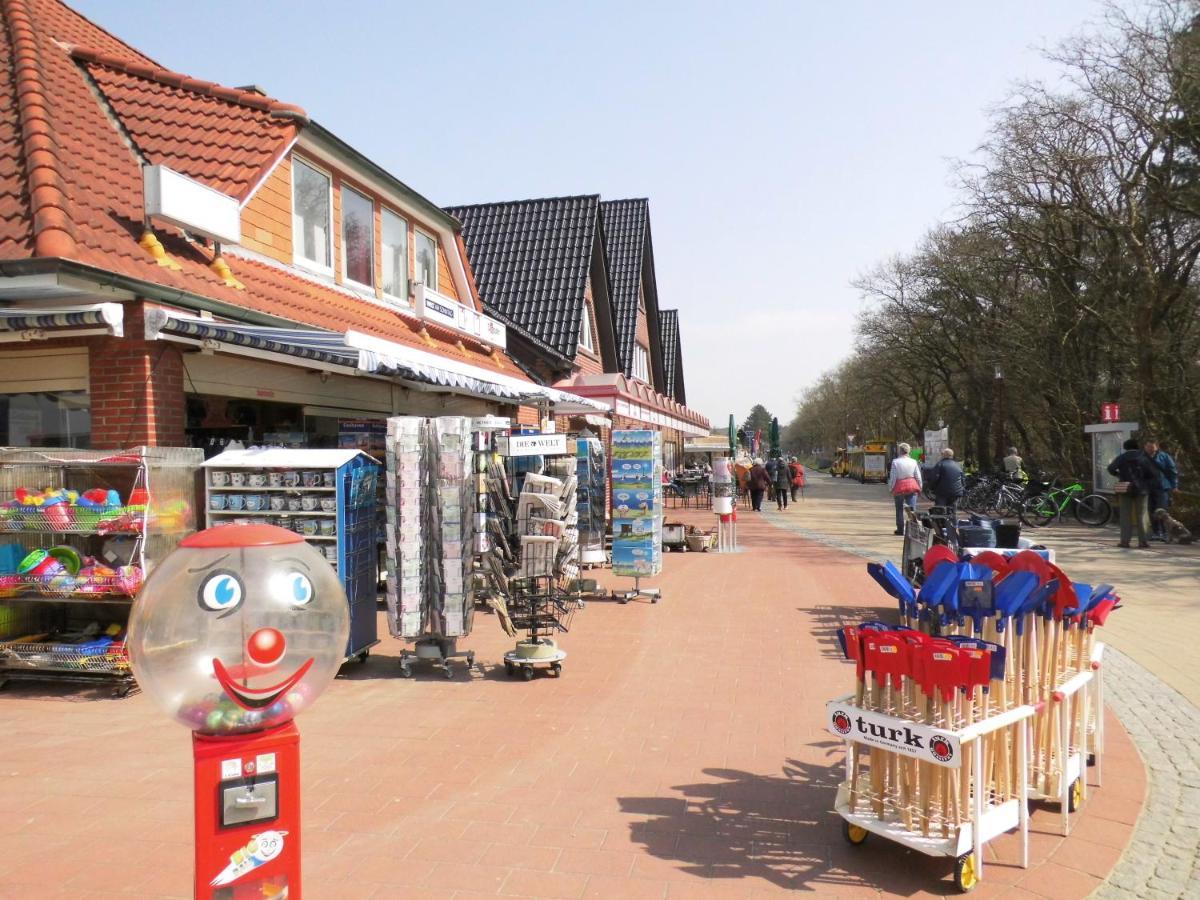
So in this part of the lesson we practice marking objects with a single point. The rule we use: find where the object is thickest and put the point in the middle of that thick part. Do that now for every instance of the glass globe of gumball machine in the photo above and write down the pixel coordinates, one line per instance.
(234, 634)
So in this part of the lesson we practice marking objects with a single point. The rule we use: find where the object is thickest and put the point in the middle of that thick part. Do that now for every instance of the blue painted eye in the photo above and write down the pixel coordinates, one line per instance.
(300, 589)
(220, 592)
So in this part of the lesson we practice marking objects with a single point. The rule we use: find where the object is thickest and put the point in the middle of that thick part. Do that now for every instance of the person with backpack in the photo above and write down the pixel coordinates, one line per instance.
(1166, 483)
(904, 481)
(783, 483)
(1136, 478)
(948, 483)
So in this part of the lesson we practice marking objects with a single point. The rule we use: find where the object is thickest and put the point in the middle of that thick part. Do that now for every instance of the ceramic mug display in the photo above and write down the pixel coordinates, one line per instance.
(310, 503)
(237, 479)
(237, 501)
(328, 526)
(256, 479)
(220, 479)
(256, 502)
(328, 478)
(310, 526)
(293, 503)
(275, 479)
(331, 553)
(312, 479)
(328, 504)
(291, 479)
(278, 502)
(216, 501)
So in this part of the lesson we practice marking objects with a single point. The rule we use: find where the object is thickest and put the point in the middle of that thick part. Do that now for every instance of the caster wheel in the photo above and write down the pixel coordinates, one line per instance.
(527, 673)
(556, 668)
(653, 599)
(1091, 760)
(405, 672)
(623, 600)
(965, 878)
(854, 834)
(470, 662)
(1075, 795)
(447, 671)
(362, 657)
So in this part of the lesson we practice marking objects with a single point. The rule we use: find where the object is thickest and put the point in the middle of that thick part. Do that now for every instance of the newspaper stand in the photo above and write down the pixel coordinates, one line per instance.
(987, 819)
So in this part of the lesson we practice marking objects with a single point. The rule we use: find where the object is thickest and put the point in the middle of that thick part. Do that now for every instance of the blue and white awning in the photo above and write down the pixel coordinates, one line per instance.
(43, 323)
(355, 353)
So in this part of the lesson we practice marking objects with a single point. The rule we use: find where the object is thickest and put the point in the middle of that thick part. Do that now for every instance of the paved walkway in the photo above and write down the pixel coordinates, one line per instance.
(681, 755)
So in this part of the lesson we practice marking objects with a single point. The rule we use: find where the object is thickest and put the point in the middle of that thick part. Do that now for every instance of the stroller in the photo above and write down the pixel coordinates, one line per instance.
(923, 530)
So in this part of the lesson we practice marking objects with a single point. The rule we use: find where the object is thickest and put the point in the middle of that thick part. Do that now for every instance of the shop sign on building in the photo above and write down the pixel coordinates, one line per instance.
(533, 445)
(442, 310)
(191, 205)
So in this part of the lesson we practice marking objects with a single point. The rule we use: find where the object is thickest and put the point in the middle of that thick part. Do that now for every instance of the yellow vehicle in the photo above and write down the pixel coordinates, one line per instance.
(869, 462)
(841, 463)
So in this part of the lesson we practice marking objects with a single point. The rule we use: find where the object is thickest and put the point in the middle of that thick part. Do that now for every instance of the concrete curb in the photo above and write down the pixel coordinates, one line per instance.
(1162, 861)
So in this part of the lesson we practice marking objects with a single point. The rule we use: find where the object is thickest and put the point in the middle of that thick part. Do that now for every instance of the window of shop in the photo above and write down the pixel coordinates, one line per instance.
(47, 419)
(395, 257)
(585, 328)
(311, 216)
(358, 237)
(426, 259)
(641, 363)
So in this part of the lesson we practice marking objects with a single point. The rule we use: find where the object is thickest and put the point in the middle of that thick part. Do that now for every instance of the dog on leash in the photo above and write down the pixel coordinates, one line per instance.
(1176, 530)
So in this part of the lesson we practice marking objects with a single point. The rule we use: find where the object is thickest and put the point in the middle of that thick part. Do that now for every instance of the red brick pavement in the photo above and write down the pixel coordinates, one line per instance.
(680, 755)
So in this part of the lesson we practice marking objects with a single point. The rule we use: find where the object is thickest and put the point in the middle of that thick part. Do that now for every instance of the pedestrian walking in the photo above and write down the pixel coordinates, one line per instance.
(797, 471)
(783, 483)
(1136, 477)
(904, 481)
(948, 483)
(1166, 483)
(760, 481)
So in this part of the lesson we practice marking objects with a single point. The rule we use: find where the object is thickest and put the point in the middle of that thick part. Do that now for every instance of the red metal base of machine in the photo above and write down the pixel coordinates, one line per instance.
(247, 805)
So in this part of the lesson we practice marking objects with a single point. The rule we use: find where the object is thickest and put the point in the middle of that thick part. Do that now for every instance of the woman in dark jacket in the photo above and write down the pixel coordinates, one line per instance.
(1134, 471)
(783, 483)
(760, 480)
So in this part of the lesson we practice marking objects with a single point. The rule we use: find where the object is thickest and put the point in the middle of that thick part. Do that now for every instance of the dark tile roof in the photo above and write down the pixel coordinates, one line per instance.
(625, 225)
(531, 260)
(672, 345)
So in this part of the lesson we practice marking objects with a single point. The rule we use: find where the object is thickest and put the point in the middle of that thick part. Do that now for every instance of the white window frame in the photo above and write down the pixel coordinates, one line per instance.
(420, 231)
(384, 210)
(585, 329)
(302, 261)
(641, 363)
(345, 271)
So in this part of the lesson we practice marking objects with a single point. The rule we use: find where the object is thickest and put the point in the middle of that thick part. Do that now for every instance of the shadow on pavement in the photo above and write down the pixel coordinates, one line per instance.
(777, 828)
(827, 620)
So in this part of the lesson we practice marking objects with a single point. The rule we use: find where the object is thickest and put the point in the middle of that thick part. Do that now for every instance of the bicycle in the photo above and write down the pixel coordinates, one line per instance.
(1043, 508)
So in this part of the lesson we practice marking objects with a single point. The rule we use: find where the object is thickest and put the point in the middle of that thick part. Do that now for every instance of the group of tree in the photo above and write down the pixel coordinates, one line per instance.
(1065, 282)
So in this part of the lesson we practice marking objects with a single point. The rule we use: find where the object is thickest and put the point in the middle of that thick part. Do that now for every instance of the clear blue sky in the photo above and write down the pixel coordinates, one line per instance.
(785, 146)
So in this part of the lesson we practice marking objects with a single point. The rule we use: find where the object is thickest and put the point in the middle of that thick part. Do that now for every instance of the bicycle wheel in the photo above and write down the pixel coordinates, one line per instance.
(1093, 510)
(1038, 511)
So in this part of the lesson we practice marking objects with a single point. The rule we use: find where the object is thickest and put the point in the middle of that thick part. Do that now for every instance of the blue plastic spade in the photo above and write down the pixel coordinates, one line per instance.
(942, 580)
(1011, 592)
(967, 572)
(1036, 602)
(892, 580)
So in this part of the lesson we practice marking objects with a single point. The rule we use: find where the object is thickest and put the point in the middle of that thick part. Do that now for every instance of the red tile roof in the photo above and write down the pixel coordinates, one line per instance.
(71, 186)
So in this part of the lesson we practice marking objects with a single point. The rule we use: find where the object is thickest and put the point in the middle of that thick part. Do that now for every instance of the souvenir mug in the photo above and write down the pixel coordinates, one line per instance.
(256, 479)
(331, 553)
(312, 479)
(329, 478)
(328, 504)
(216, 501)
(220, 479)
(275, 479)
(309, 503)
(237, 501)
(291, 479)
(328, 526)
(278, 502)
(310, 527)
(256, 502)
(294, 504)
(237, 479)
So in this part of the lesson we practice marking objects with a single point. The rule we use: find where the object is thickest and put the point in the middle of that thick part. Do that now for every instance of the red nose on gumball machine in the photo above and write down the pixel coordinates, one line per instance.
(234, 634)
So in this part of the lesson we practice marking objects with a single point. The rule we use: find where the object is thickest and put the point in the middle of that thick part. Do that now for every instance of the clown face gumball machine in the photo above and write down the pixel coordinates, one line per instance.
(234, 634)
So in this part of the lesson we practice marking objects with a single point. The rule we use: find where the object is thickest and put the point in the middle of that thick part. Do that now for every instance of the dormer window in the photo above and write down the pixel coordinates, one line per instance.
(641, 363)
(585, 329)
(426, 260)
(358, 237)
(312, 217)
(395, 257)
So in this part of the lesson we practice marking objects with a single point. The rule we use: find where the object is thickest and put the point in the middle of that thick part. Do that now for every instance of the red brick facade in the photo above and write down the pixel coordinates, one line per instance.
(136, 389)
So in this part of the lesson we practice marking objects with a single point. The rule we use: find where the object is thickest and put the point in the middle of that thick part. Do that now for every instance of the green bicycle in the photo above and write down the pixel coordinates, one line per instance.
(1043, 508)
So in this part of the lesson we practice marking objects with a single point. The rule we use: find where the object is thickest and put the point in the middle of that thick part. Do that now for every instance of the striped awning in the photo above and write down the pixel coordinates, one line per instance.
(355, 353)
(43, 323)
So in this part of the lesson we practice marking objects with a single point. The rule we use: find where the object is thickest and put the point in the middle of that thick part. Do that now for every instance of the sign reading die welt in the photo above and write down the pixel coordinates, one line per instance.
(923, 742)
(532, 445)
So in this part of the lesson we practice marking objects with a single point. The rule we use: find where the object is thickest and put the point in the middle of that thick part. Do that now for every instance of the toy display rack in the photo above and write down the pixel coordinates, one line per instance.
(896, 818)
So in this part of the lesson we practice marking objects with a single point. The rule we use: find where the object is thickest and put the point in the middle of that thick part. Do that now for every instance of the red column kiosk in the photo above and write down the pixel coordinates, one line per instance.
(234, 634)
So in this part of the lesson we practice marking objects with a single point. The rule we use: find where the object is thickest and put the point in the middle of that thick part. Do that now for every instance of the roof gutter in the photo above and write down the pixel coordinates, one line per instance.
(147, 289)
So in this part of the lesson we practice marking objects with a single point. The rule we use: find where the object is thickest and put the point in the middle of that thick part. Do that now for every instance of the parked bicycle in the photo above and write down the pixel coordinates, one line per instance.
(1051, 502)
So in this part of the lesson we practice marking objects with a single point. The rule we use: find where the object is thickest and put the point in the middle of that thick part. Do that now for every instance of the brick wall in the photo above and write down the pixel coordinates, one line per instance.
(136, 389)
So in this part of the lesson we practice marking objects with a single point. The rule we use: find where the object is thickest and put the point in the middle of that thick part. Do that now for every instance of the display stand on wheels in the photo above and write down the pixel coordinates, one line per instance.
(326, 496)
(637, 508)
(539, 608)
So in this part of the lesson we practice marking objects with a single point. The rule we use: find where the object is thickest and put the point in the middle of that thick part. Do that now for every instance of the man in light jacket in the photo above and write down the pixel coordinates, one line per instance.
(904, 481)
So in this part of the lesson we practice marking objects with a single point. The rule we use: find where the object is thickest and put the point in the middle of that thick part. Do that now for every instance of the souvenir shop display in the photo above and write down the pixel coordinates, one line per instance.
(984, 694)
(432, 496)
(591, 472)
(637, 510)
(79, 532)
(326, 496)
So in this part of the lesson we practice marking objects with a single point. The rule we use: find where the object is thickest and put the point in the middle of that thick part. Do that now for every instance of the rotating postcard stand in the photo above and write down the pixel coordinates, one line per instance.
(725, 505)
(637, 504)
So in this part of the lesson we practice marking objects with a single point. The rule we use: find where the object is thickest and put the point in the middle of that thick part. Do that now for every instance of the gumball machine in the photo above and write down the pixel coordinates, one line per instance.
(234, 634)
